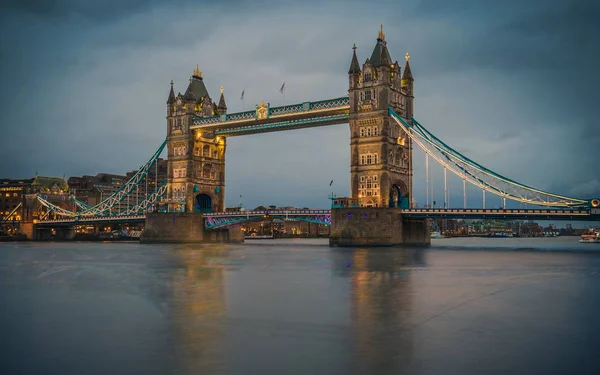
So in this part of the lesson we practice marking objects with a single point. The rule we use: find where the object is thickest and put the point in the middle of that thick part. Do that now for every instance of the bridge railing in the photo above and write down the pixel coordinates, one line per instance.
(268, 213)
(275, 111)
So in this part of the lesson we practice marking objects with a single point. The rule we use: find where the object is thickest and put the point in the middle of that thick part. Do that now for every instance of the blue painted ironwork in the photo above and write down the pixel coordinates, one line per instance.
(281, 125)
(478, 175)
(224, 219)
(297, 108)
(221, 222)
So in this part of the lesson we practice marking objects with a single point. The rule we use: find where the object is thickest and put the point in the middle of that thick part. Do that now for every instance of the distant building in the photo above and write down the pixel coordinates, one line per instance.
(92, 190)
(18, 200)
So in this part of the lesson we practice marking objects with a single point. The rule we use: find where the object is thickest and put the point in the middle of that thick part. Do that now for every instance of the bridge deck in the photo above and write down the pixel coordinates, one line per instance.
(265, 119)
(218, 219)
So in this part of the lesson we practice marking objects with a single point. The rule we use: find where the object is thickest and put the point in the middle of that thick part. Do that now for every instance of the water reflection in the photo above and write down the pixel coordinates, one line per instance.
(198, 309)
(381, 306)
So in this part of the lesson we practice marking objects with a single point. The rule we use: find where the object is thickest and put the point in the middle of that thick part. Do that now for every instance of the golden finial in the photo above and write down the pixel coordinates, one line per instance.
(407, 56)
(222, 90)
(197, 72)
(381, 34)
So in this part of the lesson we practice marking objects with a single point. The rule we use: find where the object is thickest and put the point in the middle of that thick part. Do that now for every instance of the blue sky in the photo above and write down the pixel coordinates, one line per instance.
(511, 84)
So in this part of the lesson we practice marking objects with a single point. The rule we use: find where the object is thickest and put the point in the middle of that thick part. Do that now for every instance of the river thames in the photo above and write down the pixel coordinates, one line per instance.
(461, 306)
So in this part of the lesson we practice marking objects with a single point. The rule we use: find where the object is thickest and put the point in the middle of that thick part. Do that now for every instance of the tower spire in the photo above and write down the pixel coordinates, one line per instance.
(407, 75)
(222, 106)
(197, 72)
(171, 95)
(354, 66)
(381, 35)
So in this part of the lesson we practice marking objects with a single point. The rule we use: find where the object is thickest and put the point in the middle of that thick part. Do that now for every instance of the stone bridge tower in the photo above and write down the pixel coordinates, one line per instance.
(196, 160)
(381, 153)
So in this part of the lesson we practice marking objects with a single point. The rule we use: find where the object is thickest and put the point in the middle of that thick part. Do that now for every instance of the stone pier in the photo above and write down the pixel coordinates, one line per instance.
(185, 228)
(376, 227)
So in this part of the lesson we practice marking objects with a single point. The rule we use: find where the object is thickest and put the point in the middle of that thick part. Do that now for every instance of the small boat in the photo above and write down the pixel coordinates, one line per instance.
(592, 236)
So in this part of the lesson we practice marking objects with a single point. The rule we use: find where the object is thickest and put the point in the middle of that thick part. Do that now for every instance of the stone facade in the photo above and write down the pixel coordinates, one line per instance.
(381, 154)
(376, 227)
(176, 227)
(196, 160)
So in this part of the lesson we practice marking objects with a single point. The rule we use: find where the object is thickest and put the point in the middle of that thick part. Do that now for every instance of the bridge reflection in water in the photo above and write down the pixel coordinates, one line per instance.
(197, 311)
(294, 307)
(381, 305)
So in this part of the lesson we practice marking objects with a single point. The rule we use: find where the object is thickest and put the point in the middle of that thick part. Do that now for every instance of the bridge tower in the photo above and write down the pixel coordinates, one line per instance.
(381, 153)
(196, 160)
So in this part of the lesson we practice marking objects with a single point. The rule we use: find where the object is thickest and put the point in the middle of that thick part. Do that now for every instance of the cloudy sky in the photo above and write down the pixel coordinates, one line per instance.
(512, 84)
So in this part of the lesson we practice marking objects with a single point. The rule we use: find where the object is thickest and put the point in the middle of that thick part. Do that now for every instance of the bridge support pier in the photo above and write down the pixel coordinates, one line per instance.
(184, 228)
(376, 227)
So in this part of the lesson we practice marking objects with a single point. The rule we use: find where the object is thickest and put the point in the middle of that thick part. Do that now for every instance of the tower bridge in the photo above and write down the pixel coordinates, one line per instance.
(379, 109)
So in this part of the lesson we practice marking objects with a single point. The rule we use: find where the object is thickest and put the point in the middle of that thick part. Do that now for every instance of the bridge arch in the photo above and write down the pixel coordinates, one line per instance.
(203, 202)
(399, 196)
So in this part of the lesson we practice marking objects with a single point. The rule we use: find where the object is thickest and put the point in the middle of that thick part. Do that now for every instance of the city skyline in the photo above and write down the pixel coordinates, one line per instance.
(518, 90)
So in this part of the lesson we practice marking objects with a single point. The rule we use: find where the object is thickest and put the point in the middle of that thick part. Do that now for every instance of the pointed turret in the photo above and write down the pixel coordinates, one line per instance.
(380, 50)
(196, 87)
(222, 106)
(407, 76)
(354, 66)
(171, 99)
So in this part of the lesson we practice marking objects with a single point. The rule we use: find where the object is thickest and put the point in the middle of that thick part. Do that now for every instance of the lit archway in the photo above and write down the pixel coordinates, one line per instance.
(399, 197)
(203, 203)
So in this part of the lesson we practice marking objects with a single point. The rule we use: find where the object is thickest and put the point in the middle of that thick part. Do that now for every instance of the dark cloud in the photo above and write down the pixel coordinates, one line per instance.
(511, 84)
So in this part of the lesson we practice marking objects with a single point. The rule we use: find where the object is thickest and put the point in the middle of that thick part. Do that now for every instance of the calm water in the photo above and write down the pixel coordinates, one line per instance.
(463, 306)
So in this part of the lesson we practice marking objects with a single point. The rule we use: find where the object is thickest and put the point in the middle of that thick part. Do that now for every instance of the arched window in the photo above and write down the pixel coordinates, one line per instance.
(368, 132)
(368, 95)
(363, 159)
(369, 159)
(362, 131)
(375, 158)
(375, 131)
(398, 157)
(206, 151)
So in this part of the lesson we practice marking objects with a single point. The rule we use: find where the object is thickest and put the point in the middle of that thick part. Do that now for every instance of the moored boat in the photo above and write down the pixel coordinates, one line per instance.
(592, 236)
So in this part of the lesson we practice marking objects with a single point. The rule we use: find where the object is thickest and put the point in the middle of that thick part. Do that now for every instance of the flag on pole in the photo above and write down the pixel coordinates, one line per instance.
(242, 97)
(331, 183)
(282, 89)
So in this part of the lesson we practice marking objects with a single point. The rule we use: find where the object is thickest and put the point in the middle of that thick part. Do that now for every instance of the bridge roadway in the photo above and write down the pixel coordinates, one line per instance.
(216, 220)
(269, 119)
